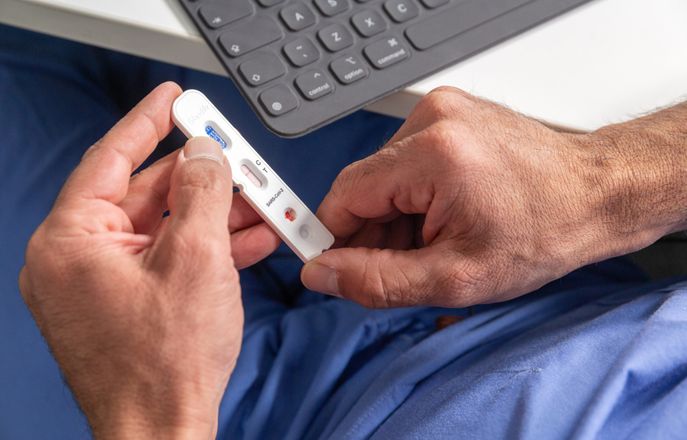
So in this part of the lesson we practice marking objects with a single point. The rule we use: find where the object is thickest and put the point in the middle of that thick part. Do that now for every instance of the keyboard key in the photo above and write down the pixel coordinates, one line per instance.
(331, 7)
(433, 3)
(216, 15)
(301, 52)
(401, 10)
(278, 100)
(297, 16)
(348, 69)
(261, 69)
(368, 23)
(335, 37)
(268, 3)
(314, 84)
(386, 52)
(456, 20)
(250, 35)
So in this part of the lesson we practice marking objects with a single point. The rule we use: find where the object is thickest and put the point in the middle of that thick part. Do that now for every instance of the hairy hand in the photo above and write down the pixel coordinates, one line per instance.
(143, 313)
(468, 203)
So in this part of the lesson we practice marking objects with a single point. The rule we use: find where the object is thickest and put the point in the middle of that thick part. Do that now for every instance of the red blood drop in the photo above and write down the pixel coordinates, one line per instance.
(290, 215)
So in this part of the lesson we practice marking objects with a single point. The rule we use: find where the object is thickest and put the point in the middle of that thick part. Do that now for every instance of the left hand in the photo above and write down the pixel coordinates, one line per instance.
(142, 313)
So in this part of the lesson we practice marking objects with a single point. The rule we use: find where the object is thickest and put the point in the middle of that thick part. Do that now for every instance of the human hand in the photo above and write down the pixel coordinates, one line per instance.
(144, 314)
(472, 203)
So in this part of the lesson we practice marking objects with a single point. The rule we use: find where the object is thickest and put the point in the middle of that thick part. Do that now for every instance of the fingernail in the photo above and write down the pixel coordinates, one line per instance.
(321, 278)
(203, 148)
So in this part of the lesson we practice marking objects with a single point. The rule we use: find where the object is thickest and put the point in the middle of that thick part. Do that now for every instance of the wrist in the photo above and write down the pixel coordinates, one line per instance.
(145, 414)
(134, 427)
(640, 171)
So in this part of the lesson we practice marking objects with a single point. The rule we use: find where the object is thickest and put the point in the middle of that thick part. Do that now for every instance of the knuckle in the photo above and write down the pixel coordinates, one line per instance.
(347, 173)
(101, 151)
(440, 141)
(197, 248)
(41, 251)
(33, 248)
(93, 148)
(179, 244)
(214, 250)
(186, 244)
(365, 288)
(350, 177)
(196, 263)
(382, 289)
(384, 294)
(454, 147)
(444, 102)
(434, 103)
(448, 90)
(454, 94)
(441, 137)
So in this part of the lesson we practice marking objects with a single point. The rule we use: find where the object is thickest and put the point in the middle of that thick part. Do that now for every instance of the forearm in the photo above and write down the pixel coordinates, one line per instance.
(642, 166)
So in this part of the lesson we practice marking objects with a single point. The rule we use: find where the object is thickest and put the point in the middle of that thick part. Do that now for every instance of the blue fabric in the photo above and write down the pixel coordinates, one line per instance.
(599, 353)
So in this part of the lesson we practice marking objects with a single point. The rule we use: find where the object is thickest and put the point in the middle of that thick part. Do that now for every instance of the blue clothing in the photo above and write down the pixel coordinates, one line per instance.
(599, 353)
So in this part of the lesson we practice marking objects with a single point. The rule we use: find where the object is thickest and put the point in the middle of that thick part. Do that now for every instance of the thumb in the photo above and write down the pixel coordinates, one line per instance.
(375, 278)
(200, 192)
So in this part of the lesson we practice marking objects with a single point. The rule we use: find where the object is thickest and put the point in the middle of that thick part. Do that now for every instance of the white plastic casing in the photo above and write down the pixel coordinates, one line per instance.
(193, 113)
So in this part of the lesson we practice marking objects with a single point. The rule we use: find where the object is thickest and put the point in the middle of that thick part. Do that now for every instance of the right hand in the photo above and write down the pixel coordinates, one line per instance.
(469, 203)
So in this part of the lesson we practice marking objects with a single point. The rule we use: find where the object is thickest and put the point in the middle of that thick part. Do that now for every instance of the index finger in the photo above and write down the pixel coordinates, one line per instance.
(365, 190)
(106, 167)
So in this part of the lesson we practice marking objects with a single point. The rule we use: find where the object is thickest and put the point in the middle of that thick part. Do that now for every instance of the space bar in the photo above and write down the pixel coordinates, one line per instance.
(455, 21)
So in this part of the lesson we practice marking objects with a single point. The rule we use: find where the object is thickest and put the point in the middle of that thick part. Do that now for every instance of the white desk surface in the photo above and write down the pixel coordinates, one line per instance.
(607, 61)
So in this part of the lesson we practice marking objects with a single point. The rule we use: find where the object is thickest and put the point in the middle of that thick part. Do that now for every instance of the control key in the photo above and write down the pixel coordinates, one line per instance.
(314, 84)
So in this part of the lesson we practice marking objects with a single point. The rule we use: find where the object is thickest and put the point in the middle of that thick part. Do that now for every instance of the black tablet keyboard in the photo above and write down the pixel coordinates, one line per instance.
(304, 63)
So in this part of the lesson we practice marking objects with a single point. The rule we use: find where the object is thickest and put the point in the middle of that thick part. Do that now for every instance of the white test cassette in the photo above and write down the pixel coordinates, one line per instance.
(259, 185)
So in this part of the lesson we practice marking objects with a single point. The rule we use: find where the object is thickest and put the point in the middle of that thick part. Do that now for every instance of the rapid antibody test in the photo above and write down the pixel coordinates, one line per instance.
(259, 185)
